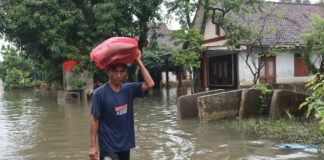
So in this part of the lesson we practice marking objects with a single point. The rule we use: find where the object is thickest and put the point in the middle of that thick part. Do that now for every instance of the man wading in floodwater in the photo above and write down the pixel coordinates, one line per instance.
(112, 116)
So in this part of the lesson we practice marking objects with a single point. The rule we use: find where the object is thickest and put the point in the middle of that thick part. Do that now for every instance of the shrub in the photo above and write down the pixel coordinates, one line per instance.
(316, 100)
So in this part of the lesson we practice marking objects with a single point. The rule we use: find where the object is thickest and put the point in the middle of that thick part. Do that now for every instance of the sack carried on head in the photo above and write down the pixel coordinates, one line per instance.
(115, 50)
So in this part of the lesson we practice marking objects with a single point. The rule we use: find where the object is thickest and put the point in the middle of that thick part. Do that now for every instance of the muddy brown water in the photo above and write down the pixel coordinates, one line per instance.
(35, 126)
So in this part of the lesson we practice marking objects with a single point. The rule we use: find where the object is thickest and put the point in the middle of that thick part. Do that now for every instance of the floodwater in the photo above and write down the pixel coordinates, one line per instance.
(35, 126)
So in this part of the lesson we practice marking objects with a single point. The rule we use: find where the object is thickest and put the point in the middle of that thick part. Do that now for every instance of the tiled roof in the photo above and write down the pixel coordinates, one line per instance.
(284, 21)
(161, 28)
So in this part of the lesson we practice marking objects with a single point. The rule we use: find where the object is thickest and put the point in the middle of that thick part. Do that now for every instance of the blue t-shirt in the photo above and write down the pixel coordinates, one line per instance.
(115, 113)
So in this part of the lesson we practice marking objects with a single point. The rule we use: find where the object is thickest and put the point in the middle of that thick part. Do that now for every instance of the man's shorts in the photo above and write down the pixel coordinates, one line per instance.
(124, 155)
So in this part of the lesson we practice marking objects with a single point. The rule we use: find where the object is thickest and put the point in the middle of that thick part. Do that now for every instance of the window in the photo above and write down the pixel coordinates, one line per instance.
(300, 66)
(221, 70)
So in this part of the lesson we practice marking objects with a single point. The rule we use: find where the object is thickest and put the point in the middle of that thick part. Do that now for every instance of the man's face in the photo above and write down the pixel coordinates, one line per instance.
(117, 74)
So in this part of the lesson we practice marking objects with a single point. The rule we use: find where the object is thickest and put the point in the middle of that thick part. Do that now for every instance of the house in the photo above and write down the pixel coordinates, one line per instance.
(163, 39)
(163, 35)
(222, 67)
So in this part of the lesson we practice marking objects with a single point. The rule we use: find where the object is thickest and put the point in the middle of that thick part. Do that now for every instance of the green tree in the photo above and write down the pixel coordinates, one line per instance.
(53, 31)
(316, 100)
(154, 62)
(314, 53)
(10, 60)
(185, 11)
(15, 69)
(314, 50)
(13, 77)
(188, 59)
(146, 12)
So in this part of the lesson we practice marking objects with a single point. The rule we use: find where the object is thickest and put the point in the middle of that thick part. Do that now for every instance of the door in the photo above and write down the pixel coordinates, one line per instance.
(268, 71)
(222, 72)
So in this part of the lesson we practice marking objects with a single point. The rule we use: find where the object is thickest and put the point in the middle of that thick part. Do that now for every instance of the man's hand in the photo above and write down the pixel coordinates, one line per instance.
(93, 152)
(139, 57)
(148, 81)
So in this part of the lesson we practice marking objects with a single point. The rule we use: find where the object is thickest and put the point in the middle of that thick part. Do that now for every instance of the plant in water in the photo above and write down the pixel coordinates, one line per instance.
(316, 100)
(78, 83)
(263, 96)
(76, 69)
(285, 130)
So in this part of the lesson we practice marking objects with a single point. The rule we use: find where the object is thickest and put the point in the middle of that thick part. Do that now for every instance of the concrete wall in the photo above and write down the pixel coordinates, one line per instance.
(245, 103)
(284, 101)
(296, 87)
(250, 103)
(187, 104)
(219, 105)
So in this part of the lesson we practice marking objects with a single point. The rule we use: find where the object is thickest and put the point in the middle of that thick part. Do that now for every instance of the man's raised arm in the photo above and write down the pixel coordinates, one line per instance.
(148, 81)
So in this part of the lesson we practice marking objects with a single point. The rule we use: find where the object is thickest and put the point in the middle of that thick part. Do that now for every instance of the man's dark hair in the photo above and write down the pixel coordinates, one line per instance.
(115, 66)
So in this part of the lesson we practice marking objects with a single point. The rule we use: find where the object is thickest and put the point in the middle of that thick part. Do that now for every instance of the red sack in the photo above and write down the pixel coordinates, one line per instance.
(115, 50)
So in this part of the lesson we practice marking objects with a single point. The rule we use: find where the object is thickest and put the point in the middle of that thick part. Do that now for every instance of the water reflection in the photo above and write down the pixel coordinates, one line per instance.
(19, 122)
(33, 125)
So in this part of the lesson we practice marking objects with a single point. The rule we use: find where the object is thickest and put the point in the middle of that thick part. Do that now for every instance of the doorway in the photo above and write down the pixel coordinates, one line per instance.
(222, 71)
(268, 71)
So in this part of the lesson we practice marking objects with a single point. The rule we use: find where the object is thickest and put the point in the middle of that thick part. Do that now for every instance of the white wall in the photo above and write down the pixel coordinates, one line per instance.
(210, 30)
(172, 77)
(211, 33)
(245, 75)
(285, 69)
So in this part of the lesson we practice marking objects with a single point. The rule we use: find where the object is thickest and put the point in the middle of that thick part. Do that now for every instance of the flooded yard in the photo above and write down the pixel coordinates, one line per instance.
(34, 126)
